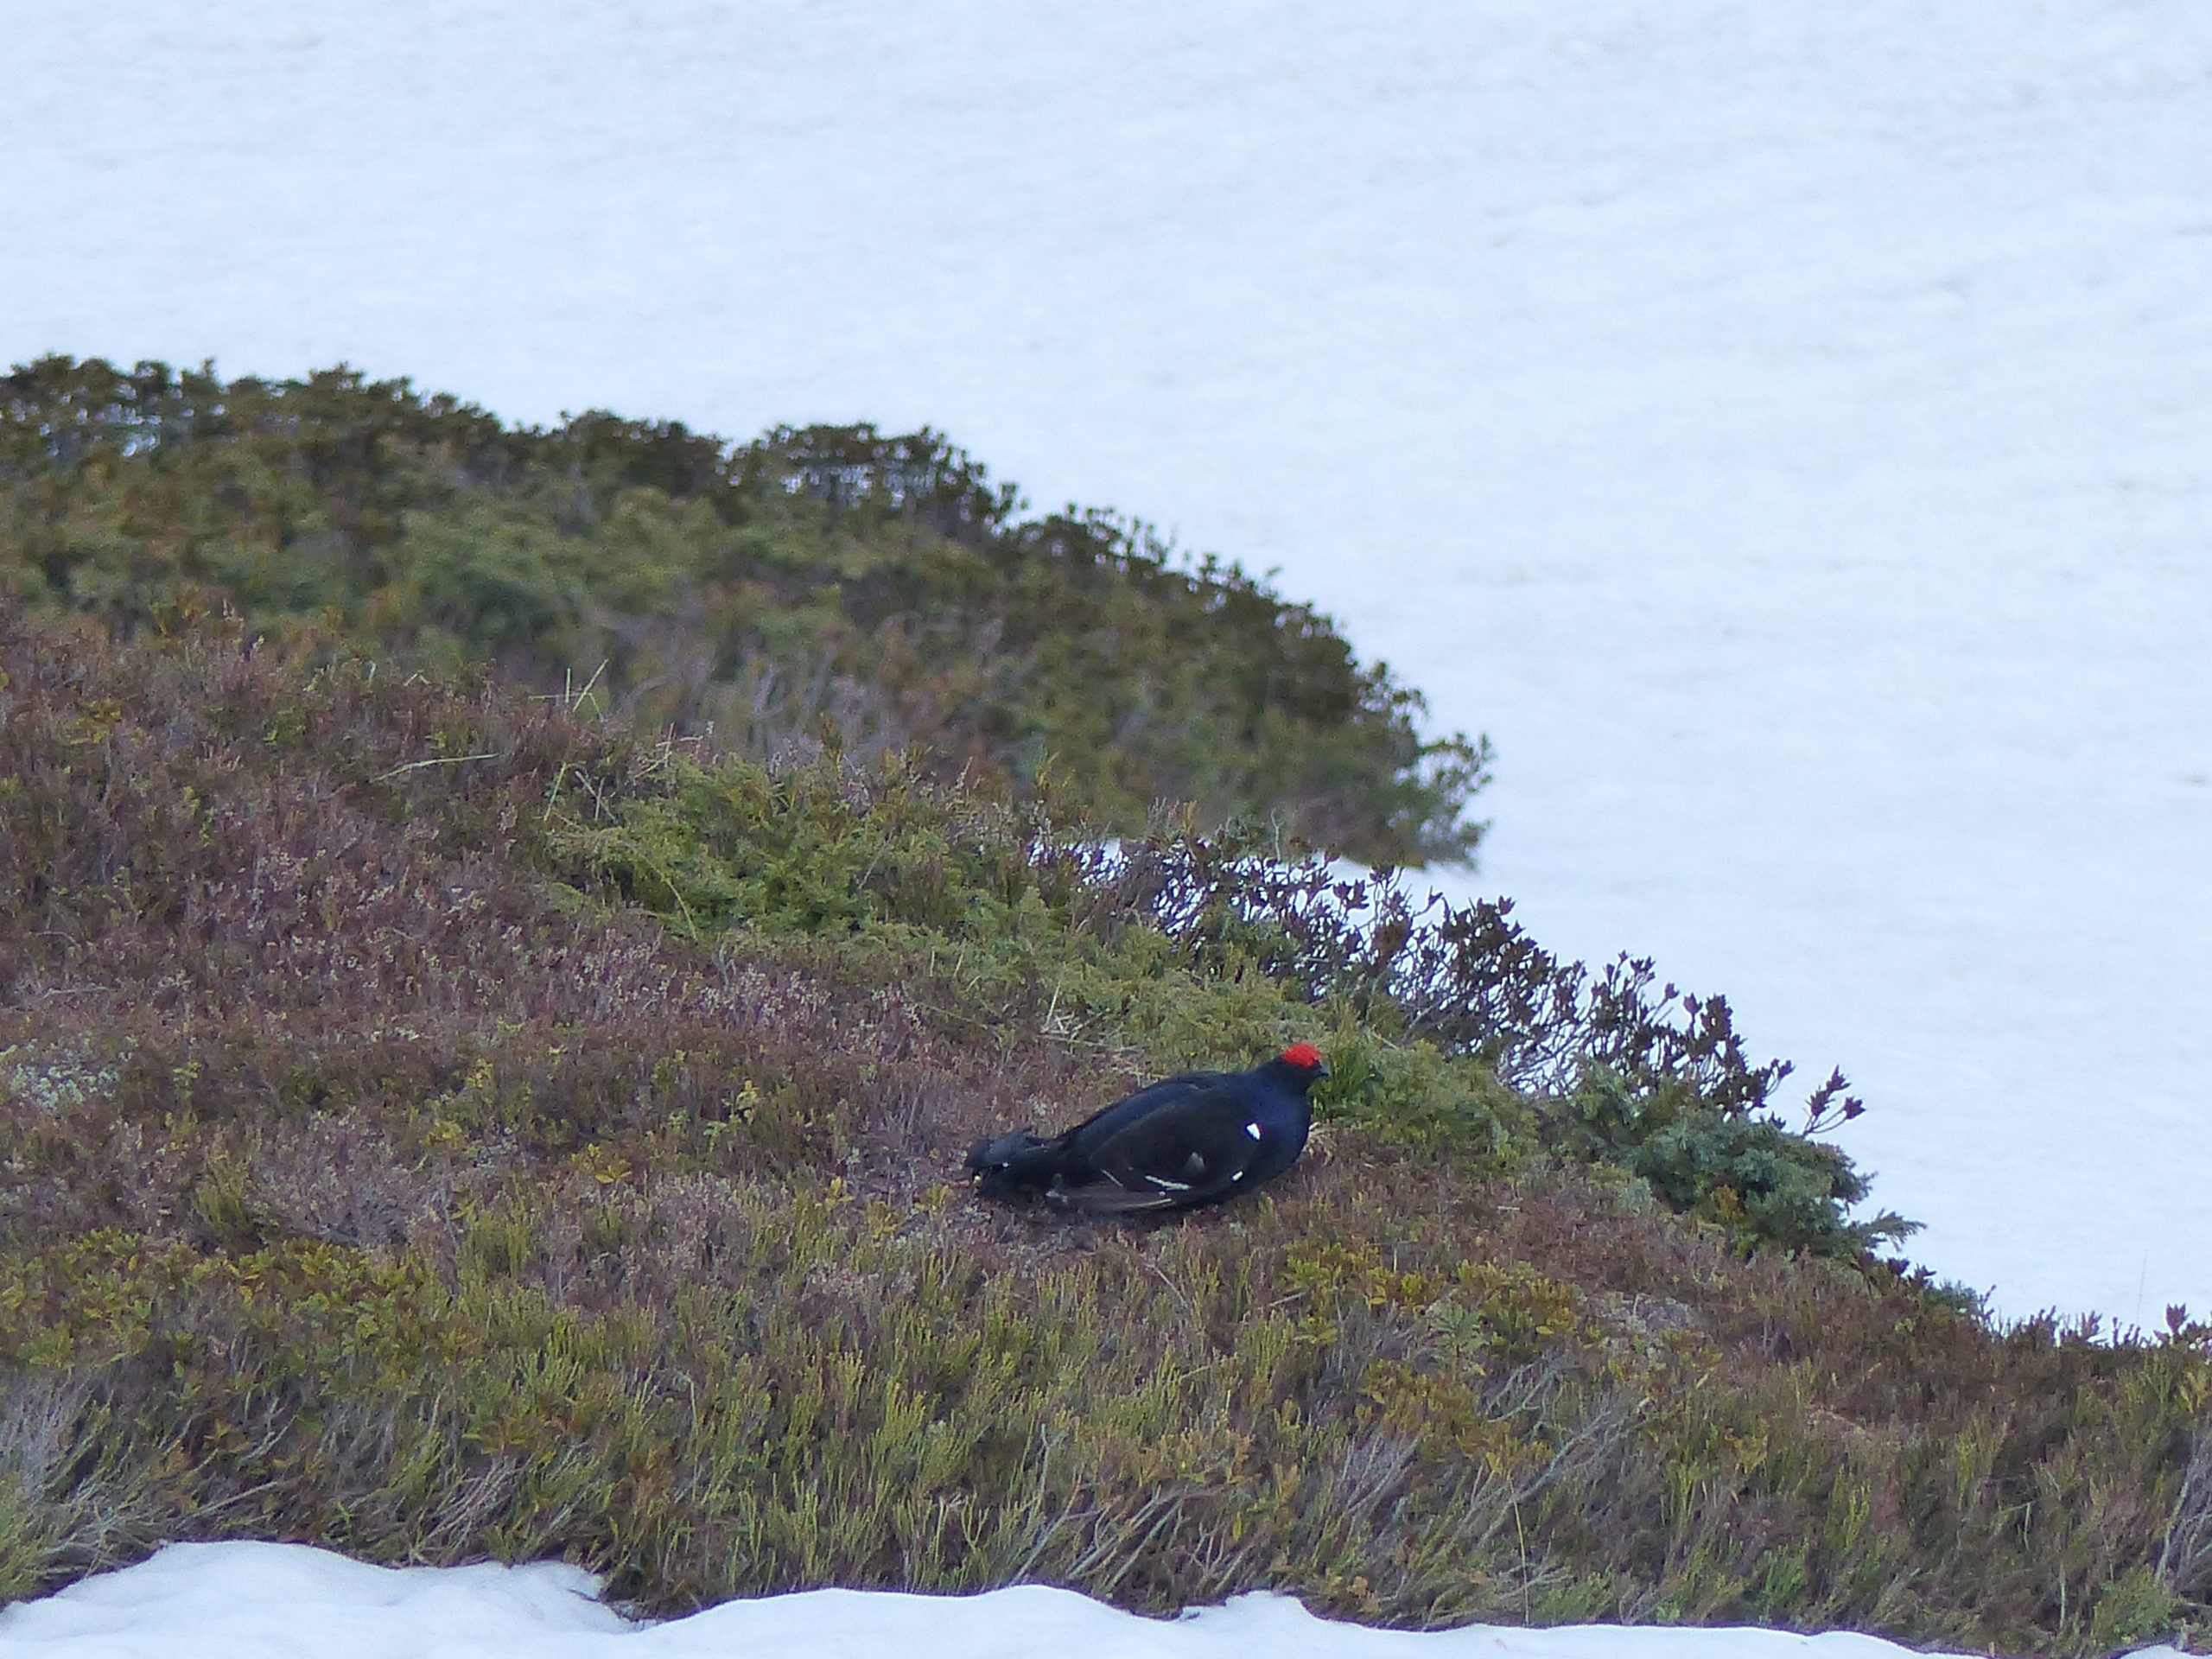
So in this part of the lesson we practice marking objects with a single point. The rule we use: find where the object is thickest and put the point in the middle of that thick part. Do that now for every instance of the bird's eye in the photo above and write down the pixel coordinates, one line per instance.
(1252, 1129)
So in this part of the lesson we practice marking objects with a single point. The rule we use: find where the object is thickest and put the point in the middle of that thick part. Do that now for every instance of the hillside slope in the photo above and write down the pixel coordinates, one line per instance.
(437, 1123)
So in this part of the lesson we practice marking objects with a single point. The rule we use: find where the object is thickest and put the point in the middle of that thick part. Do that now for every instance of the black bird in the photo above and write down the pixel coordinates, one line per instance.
(1194, 1139)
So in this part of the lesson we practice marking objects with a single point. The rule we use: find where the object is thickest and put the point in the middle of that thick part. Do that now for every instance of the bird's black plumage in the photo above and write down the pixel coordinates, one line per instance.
(1193, 1139)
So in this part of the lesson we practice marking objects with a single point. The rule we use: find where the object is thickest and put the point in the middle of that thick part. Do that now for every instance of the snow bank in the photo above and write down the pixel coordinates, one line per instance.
(277, 1601)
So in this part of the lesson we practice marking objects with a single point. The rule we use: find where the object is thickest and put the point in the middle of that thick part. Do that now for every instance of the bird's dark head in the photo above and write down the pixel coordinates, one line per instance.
(1304, 1057)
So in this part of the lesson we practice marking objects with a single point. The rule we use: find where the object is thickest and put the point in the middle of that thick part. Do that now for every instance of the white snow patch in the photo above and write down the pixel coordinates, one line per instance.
(277, 1601)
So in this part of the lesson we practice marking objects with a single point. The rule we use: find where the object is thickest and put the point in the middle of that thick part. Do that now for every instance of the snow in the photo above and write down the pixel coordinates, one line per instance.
(1782, 427)
(248, 1600)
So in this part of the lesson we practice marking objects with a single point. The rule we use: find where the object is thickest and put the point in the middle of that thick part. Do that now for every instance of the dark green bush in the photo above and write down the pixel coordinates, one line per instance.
(1724, 1166)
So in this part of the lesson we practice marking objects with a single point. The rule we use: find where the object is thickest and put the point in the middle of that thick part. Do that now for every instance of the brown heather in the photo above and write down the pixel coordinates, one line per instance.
(436, 1127)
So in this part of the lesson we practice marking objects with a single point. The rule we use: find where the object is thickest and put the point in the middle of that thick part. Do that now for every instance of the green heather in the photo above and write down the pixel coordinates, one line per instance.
(445, 1114)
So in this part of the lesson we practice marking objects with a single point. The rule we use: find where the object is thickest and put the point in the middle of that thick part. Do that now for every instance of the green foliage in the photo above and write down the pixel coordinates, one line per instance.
(825, 587)
(1726, 1166)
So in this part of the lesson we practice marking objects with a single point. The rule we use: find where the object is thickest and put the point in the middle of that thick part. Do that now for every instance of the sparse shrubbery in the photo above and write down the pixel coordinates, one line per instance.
(436, 1122)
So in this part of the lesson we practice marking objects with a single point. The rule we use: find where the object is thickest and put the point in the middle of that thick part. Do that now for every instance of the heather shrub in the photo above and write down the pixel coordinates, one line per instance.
(1724, 1164)
(819, 587)
(440, 1122)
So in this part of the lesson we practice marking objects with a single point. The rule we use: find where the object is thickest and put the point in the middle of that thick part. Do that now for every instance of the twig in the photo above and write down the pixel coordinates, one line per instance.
(441, 760)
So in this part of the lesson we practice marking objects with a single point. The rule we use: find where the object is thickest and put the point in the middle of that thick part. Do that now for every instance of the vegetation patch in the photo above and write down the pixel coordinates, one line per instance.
(828, 588)
(439, 1122)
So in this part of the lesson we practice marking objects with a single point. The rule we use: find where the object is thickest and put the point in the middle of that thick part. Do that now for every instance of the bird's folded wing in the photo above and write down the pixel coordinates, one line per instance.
(1098, 1129)
(1193, 1149)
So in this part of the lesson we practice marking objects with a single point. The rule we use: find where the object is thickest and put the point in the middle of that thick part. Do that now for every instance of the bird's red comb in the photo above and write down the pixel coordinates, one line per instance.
(1304, 1056)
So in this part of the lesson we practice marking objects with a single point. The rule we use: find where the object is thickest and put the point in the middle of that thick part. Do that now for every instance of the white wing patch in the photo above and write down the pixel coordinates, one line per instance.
(1252, 1129)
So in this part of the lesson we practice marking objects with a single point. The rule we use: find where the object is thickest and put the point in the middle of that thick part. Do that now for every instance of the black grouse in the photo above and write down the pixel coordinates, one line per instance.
(1193, 1139)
